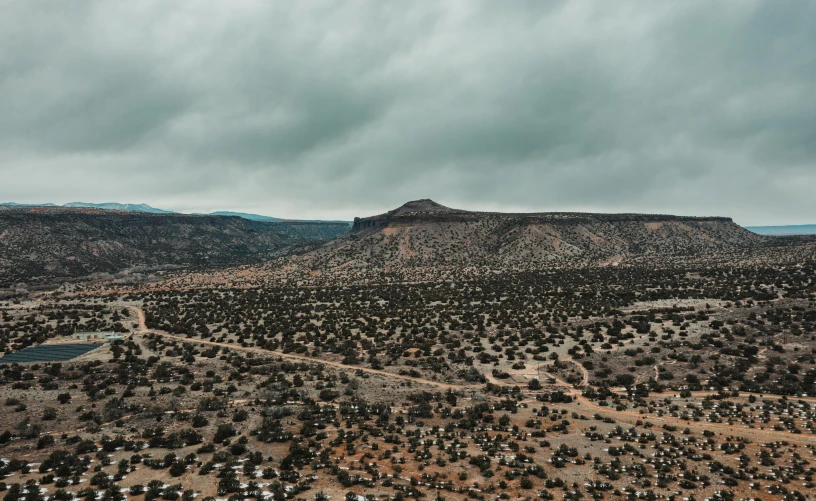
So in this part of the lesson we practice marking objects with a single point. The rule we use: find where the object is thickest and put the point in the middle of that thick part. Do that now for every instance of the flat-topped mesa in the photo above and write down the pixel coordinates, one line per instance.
(588, 217)
(424, 234)
(428, 211)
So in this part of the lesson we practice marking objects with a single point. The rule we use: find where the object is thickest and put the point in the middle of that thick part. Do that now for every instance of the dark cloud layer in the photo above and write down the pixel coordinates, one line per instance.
(336, 109)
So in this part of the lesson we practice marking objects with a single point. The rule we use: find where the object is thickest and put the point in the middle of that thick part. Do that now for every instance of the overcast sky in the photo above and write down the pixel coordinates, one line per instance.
(323, 109)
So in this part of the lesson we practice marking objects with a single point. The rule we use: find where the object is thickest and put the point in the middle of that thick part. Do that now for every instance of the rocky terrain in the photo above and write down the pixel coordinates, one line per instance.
(425, 241)
(45, 244)
(423, 233)
(623, 383)
(546, 356)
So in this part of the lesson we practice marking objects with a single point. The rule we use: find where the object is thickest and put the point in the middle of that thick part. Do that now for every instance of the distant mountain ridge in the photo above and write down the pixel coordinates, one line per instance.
(102, 206)
(43, 244)
(251, 217)
(793, 229)
(118, 206)
(15, 204)
(152, 210)
(270, 219)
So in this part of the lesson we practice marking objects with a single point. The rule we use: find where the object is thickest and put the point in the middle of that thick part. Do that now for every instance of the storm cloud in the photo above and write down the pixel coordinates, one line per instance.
(324, 109)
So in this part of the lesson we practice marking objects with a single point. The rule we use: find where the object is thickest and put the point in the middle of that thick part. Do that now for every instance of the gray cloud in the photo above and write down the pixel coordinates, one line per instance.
(337, 109)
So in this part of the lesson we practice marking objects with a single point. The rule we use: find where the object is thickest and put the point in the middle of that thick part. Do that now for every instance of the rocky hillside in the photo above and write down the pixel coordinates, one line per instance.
(47, 243)
(424, 233)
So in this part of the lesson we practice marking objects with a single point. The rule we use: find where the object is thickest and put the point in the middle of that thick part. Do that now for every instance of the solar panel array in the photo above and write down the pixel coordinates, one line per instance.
(49, 353)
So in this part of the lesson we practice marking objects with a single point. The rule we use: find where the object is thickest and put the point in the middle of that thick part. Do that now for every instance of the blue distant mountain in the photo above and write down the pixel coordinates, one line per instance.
(252, 217)
(103, 206)
(270, 219)
(117, 206)
(153, 210)
(14, 204)
(795, 229)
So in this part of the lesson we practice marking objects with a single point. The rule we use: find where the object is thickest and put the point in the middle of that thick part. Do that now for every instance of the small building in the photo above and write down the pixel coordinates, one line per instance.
(106, 336)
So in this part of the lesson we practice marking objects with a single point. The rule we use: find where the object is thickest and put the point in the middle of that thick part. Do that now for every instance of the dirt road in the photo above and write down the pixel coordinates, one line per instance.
(301, 358)
(585, 403)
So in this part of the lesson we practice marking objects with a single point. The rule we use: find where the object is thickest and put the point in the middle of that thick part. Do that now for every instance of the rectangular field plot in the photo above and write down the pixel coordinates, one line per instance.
(49, 353)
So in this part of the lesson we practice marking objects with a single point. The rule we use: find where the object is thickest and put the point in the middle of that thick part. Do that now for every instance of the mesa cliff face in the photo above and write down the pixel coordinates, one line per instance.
(424, 233)
(428, 211)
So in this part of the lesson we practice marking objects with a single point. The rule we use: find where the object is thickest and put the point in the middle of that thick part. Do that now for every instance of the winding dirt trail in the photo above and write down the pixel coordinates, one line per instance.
(625, 416)
(584, 372)
(143, 329)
